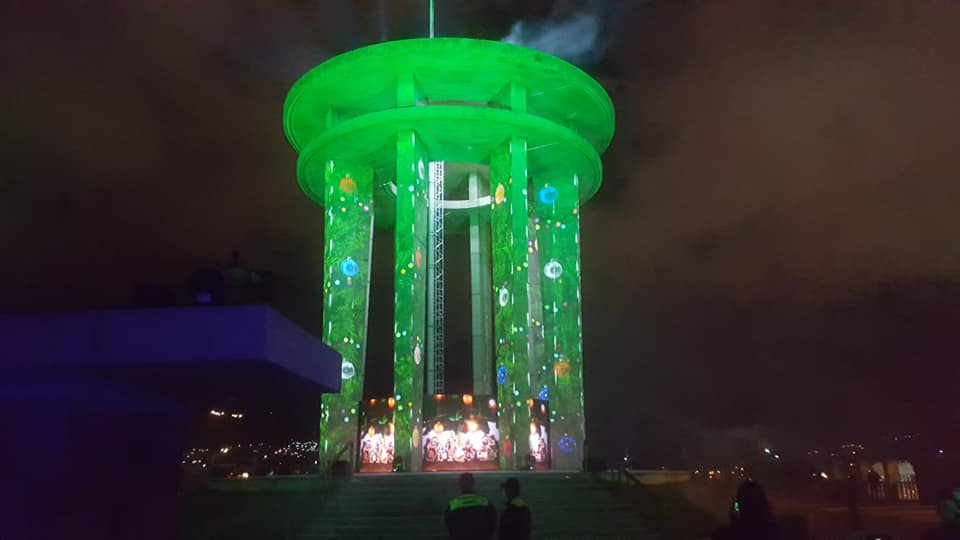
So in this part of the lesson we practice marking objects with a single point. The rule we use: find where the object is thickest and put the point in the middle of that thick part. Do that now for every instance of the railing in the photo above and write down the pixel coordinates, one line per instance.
(894, 491)
(343, 449)
(622, 475)
(329, 466)
(907, 491)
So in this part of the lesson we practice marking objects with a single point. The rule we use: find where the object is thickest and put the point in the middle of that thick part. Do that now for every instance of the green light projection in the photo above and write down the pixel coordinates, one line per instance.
(347, 239)
(367, 124)
(560, 371)
(511, 313)
(410, 295)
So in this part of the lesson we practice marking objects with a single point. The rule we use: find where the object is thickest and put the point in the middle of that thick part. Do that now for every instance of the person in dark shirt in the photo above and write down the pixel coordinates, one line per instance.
(470, 516)
(751, 517)
(515, 520)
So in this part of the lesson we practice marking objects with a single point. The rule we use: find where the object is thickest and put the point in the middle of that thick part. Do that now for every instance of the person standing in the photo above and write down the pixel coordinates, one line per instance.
(515, 520)
(470, 516)
(875, 483)
(751, 517)
(853, 497)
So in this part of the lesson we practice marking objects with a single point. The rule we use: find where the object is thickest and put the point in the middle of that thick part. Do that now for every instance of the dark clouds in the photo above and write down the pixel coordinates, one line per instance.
(773, 162)
(829, 139)
(796, 155)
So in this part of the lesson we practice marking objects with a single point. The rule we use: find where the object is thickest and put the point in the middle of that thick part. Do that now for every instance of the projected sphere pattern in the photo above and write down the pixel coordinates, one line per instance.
(347, 371)
(504, 297)
(349, 267)
(348, 185)
(548, 194)
(553, 270)
(368, 126)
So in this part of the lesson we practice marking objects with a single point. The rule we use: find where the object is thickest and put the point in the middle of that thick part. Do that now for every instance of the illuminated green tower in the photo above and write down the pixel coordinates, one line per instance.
(380, 131)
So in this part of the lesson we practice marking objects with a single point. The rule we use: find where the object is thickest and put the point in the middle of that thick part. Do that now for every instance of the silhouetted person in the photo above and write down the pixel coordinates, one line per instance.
(515, 520)
(751, 517)
(853, 497)
(949, 528)
(469, 516)
(873, 480)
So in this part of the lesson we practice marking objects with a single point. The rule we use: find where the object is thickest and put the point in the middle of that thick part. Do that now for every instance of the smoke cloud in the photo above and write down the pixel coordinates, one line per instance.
(573, 38)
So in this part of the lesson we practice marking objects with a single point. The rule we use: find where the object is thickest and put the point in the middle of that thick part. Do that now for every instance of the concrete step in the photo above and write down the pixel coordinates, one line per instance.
(410, 506)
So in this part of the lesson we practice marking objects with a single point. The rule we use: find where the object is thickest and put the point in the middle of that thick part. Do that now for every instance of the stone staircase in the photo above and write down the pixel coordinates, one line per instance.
(410, 506)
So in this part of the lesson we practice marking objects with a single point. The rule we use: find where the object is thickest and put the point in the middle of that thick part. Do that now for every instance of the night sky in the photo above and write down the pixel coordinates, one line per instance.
(773, 254)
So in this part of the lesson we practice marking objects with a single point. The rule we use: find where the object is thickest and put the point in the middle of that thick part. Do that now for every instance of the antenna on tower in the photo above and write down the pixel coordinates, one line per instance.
(431, 19)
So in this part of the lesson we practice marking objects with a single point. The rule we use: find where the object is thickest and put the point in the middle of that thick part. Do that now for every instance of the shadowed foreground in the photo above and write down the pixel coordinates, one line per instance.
(565, 506)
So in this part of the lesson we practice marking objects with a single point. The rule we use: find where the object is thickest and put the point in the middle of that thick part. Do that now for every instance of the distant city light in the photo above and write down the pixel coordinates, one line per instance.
(244, 475)
(766, 451)
(776, 456)
(824, 475)
(941, 451)
(215, 412)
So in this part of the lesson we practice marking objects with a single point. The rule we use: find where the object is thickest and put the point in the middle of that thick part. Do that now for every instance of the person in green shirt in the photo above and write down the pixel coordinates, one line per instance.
(469, 516)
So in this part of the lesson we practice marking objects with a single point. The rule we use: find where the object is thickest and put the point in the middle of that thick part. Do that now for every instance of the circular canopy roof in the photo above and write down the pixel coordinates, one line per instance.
(348, 108)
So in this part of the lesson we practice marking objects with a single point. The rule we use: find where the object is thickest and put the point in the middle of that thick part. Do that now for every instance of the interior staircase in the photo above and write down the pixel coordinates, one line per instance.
(410, 506)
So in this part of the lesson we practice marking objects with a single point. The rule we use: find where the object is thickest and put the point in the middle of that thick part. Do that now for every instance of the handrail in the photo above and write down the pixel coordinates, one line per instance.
(622, 474)
(336, 457)
(342, 450)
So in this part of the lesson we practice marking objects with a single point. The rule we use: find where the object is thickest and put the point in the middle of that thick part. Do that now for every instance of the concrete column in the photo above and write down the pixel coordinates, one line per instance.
(410, 259)
(557, 226)
(481, 303)
(509, 224)
(348, 241)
